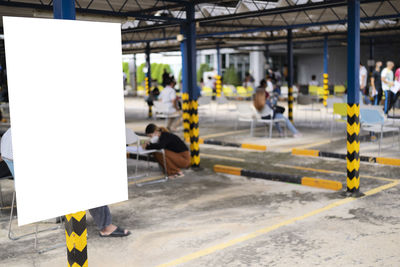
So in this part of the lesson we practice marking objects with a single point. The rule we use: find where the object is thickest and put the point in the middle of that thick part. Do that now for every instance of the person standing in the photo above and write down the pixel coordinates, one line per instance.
(387, 84)
(376, 83)
(168, 97)
(363, 85)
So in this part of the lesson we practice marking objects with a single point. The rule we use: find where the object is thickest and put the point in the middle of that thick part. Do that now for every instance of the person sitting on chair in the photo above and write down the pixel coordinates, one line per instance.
(268, 109)
(177, 154)
(101, 215)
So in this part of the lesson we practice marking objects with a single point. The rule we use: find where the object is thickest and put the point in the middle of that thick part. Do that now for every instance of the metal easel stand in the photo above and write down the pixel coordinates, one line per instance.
(12, 236)
(163, 180)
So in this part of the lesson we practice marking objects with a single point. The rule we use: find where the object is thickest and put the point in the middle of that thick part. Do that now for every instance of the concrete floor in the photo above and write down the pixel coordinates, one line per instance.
(209, 219)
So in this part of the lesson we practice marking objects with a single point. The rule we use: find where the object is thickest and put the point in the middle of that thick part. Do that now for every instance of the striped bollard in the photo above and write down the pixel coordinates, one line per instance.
(148, 94)
(353, 149)
(194, 134)
(290, 103)
(326, 89)
(76, 239)
(186, 116)
(218, 85)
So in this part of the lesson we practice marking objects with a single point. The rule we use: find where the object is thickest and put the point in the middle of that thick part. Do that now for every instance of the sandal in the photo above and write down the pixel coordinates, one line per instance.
(119, 232)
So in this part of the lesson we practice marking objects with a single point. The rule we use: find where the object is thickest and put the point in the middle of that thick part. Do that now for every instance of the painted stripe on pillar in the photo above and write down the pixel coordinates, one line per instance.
(353, 147)
(76, 239)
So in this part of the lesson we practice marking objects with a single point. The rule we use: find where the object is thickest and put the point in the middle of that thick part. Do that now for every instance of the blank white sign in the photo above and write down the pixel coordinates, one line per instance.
(67, 115)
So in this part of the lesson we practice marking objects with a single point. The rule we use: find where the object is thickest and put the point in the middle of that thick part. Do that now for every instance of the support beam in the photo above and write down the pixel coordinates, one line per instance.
(353, 98)
(185, 88)
(326, 82)
(290, 74)
(75, 224)
(148, 78)
(189, 29)
(219, 60)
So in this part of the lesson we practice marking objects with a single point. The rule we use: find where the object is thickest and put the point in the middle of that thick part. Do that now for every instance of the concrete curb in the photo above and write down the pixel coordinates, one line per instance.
(322, 154)
(294, 179)
(228, 144)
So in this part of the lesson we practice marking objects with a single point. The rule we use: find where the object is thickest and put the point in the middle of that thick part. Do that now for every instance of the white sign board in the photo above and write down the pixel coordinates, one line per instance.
(67, 115)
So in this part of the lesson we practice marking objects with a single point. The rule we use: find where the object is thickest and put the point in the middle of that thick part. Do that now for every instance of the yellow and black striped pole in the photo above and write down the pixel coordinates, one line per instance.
(194, 134)
(146, 80)
(326, 89)
(218, 85)
(76, 239)
(186, 116)
(290, 103)
(353, 98)
(353, 148)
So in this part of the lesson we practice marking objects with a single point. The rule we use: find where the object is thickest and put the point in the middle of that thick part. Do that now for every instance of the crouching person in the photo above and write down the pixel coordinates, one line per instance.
(177, 154)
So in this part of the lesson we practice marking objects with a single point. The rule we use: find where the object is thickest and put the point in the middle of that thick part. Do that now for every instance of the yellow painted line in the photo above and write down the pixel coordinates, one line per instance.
(305, 152)
(332, 172)
(227, 169)
(321, 183)
(310, 145)
(225, 133)
(388, 161)
(222, 157)
(254, 147)
(146, 180)
(268, 229)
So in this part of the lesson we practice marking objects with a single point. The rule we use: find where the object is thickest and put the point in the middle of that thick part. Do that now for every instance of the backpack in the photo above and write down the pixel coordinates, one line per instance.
(259, 100)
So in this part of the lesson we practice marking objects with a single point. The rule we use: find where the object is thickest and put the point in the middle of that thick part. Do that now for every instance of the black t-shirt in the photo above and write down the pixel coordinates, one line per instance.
(169, 141)
(377, 79)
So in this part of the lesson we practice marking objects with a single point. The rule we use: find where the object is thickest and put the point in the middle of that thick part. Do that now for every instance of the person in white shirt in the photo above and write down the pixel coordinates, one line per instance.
(387, 78)
(101, 215)
(168, 97)
(363, 85)
(313, 81)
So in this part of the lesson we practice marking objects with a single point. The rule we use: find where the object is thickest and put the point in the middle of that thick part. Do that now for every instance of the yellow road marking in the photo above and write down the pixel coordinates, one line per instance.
(333, 172)
(324, 142)
(146, 180)
(302, 152)
(268, 229)
(227, 169)
(225, 133)
(254, 147)
(222, 157)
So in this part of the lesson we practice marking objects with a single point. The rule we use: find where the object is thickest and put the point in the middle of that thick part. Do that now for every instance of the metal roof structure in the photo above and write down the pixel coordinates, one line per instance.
(227, 23)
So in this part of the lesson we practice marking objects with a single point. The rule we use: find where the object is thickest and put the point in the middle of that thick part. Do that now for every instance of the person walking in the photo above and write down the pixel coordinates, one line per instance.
(387, 84)
(376, 83)
(364, 92)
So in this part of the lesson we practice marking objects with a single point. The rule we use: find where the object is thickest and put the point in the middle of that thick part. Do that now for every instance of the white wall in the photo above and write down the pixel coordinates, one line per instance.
(257, 64)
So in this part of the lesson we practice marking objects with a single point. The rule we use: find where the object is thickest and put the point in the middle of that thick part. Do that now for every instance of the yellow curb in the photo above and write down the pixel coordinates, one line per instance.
(227, 169)
(254, 147)
(321, 183)
(305, 152)
(388, 161)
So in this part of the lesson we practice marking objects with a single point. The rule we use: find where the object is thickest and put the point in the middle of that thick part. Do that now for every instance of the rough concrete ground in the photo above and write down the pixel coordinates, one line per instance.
(204, 210)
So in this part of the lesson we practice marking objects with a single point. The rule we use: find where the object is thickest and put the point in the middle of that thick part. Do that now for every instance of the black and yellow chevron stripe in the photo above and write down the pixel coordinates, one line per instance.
(76, 239)
(194, 134)
(326, 89)
(147, 87)
(353, 147)
(290, 103)
(218, 85)
(186, 116)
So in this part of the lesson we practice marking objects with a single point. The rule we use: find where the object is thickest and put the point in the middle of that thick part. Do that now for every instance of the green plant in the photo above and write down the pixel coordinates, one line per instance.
(140, 75)
(125, 69)
(231, 77)
(203, 68)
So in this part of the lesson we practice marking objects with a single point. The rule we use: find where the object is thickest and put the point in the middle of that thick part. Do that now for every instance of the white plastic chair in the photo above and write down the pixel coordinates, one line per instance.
(131, 139)
(270, 123)
(372, 121)
(246, 114)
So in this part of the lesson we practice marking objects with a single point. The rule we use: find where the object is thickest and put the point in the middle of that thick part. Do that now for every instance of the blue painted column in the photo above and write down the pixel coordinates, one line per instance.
(290, 73)
(185, 88)
(75, 224)
(147, 79)
(189, 28)
(219, 60)
(325, 75)
(353, 97)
